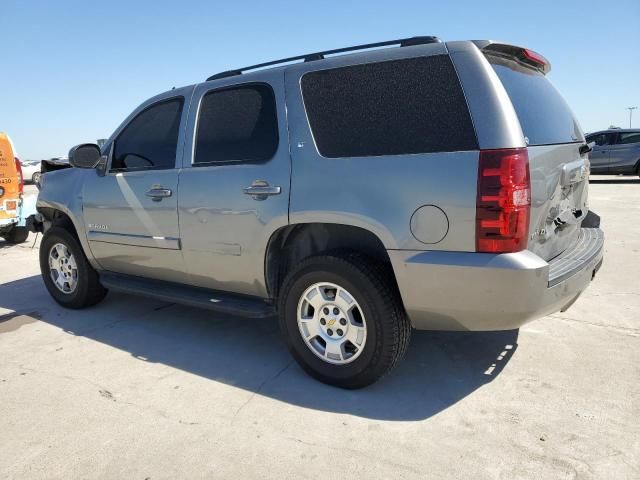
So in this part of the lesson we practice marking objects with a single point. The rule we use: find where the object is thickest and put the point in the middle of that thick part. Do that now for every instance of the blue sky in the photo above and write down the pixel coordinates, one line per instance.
(72, 70)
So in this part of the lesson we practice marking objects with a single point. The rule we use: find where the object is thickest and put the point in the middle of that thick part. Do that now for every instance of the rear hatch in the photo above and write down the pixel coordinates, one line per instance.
(10, 181)
(558, 169)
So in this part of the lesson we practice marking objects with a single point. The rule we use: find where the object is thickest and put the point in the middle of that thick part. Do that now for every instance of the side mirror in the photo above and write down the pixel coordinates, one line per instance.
(85, 155)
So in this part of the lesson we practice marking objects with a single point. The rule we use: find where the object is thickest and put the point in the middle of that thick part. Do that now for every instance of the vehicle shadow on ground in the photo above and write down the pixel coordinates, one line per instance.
(619, 180)
(441, 368)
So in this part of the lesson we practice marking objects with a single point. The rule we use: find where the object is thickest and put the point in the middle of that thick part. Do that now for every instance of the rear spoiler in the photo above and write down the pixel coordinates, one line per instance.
(522, 55)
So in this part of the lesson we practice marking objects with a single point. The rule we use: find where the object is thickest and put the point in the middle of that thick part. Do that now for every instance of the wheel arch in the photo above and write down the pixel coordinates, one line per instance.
(291, 244)
(55, 216)
(58, 218)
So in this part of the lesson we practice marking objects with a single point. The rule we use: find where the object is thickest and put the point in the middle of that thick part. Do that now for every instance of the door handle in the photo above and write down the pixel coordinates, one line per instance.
(158, 194)
(261, 189)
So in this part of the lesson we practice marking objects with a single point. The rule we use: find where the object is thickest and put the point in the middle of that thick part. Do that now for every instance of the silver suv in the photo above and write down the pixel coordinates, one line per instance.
(423, 185)
(615, 151)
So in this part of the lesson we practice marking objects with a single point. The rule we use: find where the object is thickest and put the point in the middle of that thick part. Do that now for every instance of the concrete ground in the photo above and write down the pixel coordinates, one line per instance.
(136, 388)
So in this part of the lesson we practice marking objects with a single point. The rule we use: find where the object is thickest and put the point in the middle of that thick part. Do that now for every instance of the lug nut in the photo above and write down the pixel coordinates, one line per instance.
(343, 321)
(322, 321)
(335, 311)
(330, 332)
(340, 332)
(326, 311)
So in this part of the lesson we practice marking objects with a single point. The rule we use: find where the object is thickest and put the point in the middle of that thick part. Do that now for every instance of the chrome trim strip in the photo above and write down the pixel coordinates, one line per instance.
(134, 240)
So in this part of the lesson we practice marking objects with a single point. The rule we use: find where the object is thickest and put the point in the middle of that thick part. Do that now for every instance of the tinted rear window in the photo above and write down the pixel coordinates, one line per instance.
(237, 124)
(544, 116)
(396, 107)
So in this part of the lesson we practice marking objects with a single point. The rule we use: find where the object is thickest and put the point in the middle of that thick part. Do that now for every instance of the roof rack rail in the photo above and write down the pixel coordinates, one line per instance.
(310, 57)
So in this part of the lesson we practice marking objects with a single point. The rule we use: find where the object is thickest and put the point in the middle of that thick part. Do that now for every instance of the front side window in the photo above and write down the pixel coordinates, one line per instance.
(599, 139)
(237, 124)
(150, 140)
(397, 107)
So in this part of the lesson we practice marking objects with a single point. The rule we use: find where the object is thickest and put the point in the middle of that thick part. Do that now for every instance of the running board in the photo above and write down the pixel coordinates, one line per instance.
(223, 302)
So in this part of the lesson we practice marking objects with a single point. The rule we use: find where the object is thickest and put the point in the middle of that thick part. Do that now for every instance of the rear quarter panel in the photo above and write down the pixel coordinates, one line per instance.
(379, 194)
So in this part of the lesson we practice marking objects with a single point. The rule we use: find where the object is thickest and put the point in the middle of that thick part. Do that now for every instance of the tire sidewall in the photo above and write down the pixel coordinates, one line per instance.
(50, 238)
(358, 285)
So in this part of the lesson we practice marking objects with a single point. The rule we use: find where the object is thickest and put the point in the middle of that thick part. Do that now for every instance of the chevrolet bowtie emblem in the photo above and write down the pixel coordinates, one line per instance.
(331, 322)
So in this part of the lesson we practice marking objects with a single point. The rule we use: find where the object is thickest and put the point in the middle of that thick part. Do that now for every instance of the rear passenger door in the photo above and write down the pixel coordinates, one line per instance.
(599, 156)
(624, 153)
(234, 186)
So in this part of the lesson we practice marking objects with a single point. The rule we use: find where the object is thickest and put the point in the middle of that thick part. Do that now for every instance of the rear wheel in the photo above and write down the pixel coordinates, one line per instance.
(343, 319)
(68, 276)
(35, 178)
(17, 235)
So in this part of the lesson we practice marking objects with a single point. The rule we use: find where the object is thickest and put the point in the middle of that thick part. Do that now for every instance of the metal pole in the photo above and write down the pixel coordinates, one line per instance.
(631, 109)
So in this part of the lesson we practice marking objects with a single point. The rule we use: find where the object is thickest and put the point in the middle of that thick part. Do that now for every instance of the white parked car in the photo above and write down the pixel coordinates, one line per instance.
(30, 170)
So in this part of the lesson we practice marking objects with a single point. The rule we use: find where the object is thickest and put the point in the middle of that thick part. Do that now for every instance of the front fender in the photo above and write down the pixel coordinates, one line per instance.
(61, 190)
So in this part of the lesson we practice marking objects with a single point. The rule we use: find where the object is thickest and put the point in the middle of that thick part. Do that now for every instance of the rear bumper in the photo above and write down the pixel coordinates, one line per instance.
(478, 291)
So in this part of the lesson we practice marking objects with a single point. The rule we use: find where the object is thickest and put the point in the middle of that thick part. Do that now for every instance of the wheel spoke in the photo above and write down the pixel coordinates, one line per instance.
(315, 298)
(343, 300)
(333, 351)
(356, 335)
(310, 328)
(60, 282)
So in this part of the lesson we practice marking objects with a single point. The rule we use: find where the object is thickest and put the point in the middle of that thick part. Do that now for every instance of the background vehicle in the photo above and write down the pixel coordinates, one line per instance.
(434, 186)
(14, 209)
(616, 151)
(30, 170)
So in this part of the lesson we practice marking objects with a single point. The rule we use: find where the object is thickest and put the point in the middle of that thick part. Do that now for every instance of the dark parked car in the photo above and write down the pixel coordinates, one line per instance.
(615, 151)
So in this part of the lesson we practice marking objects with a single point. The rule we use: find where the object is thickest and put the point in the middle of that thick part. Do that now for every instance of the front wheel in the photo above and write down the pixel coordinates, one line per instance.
(343, 320)
(17, 235)
(68, 276)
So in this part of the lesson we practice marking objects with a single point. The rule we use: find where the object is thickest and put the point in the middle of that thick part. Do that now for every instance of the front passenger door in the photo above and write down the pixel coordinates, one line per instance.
(599, 156)
(131, 211)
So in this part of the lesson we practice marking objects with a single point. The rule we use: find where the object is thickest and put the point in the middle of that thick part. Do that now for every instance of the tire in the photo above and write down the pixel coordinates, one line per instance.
(87, 289)
(367, 282)
(35, 178)
(17, 235)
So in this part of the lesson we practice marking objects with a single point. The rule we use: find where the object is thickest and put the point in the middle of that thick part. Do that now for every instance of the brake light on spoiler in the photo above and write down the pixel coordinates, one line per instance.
(503, 201)
(523, 55)
(535, 58)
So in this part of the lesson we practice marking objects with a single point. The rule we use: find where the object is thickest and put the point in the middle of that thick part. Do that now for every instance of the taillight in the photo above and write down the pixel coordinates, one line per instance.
(20, 179)
(503, 201)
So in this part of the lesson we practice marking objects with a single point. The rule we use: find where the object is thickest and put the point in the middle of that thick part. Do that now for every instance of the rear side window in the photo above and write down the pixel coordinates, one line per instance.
(150, 140)
(544, 116)
(629, 137)
(237, 125)
(396, 107)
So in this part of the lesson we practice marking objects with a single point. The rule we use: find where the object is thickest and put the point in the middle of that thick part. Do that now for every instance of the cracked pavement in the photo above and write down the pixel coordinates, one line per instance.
(137, 388)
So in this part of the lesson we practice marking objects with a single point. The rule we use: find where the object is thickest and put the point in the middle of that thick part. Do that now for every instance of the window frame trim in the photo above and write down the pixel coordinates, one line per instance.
(196, 125)
(112, 143)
